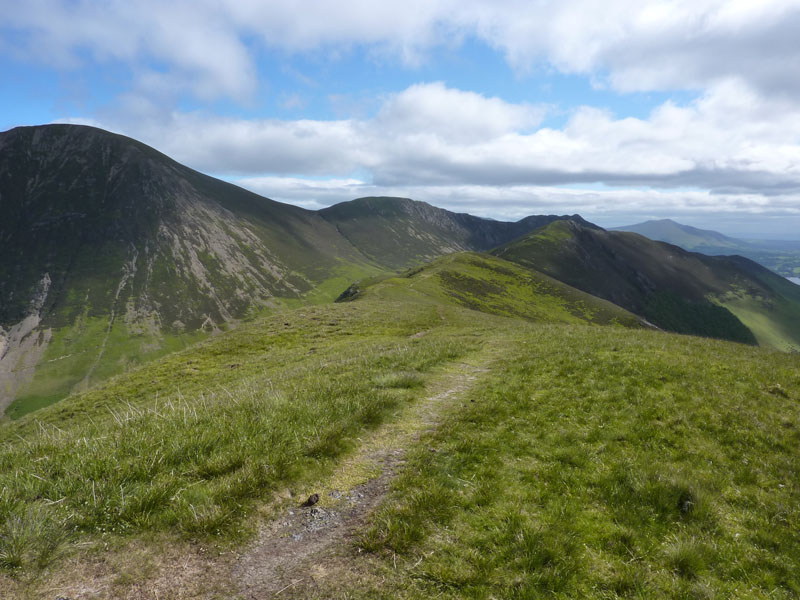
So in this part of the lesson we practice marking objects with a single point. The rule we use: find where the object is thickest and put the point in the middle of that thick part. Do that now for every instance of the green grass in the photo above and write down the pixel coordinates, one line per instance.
(774, 324)
(494, 286)
(587, 461)
(188, 443)
(599, 463)
(73, 361)
(329, 289)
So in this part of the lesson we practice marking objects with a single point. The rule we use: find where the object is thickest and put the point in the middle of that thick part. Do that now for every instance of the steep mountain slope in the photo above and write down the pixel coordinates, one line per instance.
(109, 247)
(398, 232)
(81, 204)
(674, 289)
(112, 253)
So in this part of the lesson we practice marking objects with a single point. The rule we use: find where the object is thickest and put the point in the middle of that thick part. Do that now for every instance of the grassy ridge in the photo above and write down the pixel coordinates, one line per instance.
(590, 461)
(186, 444)
(494, 286)
(602, 463)
(670, 287)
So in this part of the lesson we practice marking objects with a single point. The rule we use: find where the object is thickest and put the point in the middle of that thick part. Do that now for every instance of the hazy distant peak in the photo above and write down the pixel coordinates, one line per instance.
(685, 236)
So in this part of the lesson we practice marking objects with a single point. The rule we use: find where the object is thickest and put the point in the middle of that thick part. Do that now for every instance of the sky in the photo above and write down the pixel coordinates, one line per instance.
(621, 110)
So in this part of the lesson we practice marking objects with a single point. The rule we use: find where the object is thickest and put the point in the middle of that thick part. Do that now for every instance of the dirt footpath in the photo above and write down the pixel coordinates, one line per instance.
(304, 550)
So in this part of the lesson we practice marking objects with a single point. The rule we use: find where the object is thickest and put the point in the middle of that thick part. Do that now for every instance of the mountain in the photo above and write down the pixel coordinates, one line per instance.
(685, 236)
(112, 253)
(782, 257)
(84, 206)
(726, 297)
(398, 232)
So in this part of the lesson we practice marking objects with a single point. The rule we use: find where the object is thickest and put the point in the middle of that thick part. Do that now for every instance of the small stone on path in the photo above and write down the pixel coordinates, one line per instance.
(312, 500)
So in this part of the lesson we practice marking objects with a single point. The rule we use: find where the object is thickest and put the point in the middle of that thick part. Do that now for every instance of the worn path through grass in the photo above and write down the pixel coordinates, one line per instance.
(406, 368)
(305, 548)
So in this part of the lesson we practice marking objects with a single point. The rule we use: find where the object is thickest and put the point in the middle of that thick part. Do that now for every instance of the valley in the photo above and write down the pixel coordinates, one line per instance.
(159, 256)
(117, 255)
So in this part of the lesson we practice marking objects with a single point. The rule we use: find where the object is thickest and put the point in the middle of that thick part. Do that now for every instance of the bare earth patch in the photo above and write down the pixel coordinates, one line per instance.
(296, 550)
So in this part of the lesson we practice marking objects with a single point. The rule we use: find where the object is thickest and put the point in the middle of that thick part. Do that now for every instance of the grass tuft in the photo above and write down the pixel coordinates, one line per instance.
(30, 537)
(403, 380)
(687, 558)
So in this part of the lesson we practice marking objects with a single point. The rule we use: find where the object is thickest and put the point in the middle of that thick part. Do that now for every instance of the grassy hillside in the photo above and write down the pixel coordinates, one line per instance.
(494, 286)
(584, 461)
(597, 463)
(724, 297)
(773, 314)
(188, 443)
(90, 351)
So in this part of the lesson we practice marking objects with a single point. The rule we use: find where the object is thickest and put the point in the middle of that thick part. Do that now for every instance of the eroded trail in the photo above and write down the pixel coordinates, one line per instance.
(303, 548)
(297, 552)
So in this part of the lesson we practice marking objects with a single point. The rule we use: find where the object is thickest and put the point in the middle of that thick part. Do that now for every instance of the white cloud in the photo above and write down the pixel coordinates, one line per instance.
(206, 46)
(729, 141)
(195, 46)
(738, 143)
(453, 115)
(607, 207)
(223, 145)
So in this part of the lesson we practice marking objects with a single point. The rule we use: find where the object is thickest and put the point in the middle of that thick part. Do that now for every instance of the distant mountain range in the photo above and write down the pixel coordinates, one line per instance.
(783, 257)
(689, 238)
(112, 254)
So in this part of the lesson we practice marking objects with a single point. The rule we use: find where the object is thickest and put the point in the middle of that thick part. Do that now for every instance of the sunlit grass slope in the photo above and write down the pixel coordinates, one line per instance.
(773, 317)
(586, 461)
(495, 286)
(90, 351)
(603, 463)
(185, 444)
